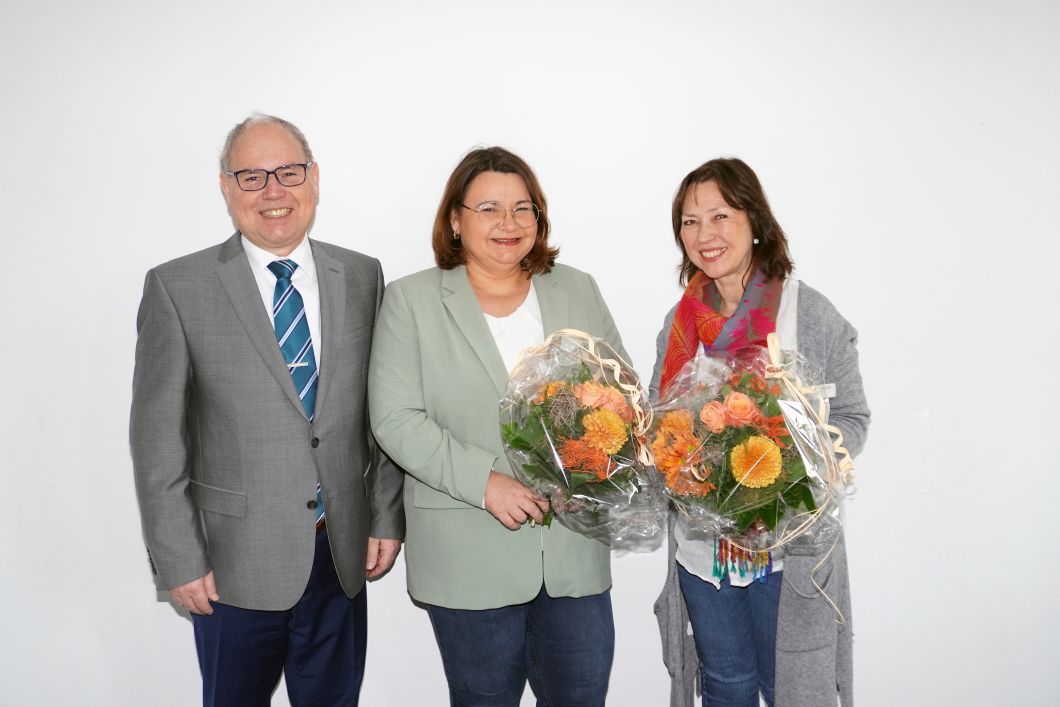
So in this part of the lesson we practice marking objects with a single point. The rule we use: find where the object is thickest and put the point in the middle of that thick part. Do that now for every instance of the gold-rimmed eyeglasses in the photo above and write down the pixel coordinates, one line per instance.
(492, 214)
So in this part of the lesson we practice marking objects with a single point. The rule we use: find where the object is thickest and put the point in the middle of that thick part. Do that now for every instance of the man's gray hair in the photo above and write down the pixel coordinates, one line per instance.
(255, 118)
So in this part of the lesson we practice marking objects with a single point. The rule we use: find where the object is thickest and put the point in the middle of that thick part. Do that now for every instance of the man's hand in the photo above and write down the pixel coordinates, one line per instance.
(512, 502)
(381, 555)
(196, 595)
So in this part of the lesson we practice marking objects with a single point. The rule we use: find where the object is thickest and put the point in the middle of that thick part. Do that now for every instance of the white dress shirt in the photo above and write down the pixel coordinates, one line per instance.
(304, 280)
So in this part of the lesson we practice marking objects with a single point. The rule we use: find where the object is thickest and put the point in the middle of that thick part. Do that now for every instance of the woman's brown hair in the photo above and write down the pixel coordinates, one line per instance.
(448, 251)
(740, 188)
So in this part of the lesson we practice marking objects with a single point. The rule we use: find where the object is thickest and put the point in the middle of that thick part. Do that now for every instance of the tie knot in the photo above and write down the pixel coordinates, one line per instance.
(283, 269)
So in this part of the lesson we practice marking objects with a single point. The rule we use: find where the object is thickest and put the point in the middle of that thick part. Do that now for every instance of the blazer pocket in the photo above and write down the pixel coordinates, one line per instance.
(218, 500)
(423, 496)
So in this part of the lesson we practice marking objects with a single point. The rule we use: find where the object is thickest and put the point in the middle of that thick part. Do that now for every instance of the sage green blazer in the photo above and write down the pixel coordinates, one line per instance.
(435, 380)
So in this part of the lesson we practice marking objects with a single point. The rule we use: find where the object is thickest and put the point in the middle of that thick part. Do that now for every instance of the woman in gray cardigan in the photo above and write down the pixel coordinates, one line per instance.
(777, 635)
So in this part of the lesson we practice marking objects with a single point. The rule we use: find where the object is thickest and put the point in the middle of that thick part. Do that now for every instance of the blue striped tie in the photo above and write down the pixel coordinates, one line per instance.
(292, 334)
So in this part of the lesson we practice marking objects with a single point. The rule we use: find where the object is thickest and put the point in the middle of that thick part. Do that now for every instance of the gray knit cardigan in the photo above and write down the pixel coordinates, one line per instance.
(814, 662)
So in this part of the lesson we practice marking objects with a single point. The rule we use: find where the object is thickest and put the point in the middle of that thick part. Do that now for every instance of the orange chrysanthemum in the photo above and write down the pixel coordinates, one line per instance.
(605, 430)
(675, 445)
(579, 455)
(756, 462)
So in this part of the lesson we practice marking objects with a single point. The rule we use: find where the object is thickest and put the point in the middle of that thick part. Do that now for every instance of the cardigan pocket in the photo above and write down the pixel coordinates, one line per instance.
(806, 620)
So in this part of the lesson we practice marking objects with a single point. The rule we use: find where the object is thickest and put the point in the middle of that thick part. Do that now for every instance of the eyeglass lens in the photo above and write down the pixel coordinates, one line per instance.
(289, 175)
(492, 214)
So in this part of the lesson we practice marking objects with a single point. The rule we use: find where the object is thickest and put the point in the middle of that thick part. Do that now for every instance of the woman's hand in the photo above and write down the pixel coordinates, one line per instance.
(512, 502)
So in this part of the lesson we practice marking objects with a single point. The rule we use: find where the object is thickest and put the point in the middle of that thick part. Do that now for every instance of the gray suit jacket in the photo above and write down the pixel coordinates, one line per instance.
(224, 457)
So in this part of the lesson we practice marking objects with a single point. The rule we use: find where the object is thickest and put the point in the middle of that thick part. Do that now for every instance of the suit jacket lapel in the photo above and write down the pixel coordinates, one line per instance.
(459, 299)
(233, 269)
(555, 306)
(331, 275)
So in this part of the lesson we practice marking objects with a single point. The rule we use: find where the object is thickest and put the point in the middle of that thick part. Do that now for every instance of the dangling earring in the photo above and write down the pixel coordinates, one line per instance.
(755, 241)
(456, 236)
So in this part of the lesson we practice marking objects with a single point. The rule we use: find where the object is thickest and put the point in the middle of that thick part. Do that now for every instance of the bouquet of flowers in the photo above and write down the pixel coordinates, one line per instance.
(574, 423)
(744, 450)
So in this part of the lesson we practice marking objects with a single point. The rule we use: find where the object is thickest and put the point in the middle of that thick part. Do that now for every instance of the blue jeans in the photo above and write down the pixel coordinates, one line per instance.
(735, 629)
(565, 647)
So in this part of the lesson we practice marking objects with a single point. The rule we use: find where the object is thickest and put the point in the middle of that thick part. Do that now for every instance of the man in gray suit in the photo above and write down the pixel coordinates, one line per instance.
(264, 500)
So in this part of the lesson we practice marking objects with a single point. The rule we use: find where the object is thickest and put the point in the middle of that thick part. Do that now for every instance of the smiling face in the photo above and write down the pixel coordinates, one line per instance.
(500, 249)
(717, 237)
(275, 218)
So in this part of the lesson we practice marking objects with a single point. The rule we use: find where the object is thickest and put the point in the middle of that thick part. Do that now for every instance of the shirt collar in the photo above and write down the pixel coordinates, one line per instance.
(260, 258)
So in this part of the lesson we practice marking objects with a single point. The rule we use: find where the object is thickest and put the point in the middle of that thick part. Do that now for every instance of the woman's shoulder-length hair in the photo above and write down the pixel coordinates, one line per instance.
(741, 190)
(448, 251)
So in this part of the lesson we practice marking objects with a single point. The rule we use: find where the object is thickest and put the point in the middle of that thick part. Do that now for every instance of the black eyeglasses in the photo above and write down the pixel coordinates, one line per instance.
(492, 214)
(289, 175)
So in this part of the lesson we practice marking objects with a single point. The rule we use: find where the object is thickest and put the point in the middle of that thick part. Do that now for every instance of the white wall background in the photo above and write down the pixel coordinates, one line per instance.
(910, 150)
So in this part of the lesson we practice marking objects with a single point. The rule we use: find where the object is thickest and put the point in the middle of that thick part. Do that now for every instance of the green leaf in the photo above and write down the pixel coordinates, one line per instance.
(796, 470)
(581, 478)
(806, 497)
(770, 514)
(745, 519)
(526, 437)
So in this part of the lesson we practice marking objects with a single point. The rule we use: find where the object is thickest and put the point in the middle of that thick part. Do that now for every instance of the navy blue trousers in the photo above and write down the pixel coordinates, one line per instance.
(318, 645)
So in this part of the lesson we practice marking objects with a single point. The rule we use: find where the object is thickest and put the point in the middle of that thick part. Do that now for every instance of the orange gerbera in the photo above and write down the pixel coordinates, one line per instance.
(579, 455)
(756, 462)
(605, 397)
(676, 445)
(605, 430)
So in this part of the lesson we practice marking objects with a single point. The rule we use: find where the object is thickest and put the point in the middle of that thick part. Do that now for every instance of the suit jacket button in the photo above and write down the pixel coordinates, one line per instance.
(311, 505)
(315, 442)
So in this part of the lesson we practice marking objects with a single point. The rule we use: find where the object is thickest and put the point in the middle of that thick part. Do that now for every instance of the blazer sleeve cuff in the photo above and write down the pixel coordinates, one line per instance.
(472, 479)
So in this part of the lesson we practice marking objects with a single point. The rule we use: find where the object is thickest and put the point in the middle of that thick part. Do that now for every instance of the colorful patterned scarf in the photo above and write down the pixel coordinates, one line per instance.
(698, 321)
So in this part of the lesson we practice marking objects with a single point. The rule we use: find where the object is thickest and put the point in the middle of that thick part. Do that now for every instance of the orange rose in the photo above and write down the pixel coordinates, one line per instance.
(603, 397)
(713, 416)
(741, 409)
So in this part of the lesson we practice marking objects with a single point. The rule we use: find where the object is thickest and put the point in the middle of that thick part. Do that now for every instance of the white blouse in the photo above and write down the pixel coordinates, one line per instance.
(519, 330)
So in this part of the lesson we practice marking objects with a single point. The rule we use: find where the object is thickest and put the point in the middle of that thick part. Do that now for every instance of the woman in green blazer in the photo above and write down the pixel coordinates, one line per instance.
(508, 600)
